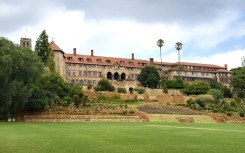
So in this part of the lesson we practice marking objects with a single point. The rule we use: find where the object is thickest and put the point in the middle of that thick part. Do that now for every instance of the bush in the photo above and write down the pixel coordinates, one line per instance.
(196, 87)
(77, 101)
(121, 90)
(190, 102)
(139, 90)
(241, 114)
(233, 104)
(217, 94)
(66, 101)
(175, 84)
(104, 85)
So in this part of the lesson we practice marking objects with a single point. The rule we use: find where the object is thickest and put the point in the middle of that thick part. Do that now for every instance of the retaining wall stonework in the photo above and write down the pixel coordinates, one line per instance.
(166, 98)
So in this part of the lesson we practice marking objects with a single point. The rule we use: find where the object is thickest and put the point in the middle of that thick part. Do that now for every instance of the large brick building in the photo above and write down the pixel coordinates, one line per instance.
(89, 69)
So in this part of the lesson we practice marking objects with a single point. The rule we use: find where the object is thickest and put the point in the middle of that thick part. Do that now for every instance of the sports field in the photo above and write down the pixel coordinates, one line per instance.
(152, 137)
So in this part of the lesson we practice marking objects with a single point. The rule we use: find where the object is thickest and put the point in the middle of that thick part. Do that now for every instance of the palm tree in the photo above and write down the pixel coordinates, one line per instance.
(178, 47)
(160, 43)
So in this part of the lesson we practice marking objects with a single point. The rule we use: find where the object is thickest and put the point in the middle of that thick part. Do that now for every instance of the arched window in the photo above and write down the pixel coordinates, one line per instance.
(81, 82)
(109, 76)
(73, 81)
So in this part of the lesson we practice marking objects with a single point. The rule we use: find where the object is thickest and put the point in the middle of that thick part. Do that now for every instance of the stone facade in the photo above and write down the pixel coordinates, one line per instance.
(89, 69)
(25, 42)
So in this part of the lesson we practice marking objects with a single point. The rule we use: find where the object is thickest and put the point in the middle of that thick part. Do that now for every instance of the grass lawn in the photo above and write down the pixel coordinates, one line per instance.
(152, 137)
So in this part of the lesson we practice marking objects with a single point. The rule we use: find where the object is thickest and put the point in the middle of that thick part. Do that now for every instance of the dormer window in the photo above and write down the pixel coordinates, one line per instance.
(89, 59)
(80, 59)
(108, 61)
(99, 60)
(69, 58)
(122, 62)
(131, 63)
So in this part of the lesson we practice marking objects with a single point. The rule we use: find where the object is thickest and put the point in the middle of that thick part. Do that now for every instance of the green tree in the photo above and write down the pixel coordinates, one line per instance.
(238, 81)
(149, 77)
(41, 47)
(196, 87)
(214, 84)
(20, 69)
(53, 85)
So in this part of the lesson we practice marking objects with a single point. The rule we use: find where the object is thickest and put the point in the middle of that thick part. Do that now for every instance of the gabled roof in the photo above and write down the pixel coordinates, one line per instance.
(55, 47)
(105, 61)
(198, 64)
(223, 70)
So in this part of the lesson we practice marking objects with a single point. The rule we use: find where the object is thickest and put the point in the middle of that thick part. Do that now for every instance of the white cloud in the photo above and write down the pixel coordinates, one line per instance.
(232, 58)
(120, 38)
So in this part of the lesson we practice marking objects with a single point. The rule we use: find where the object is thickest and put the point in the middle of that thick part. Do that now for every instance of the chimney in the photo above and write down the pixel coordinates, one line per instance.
(92, 52)
(132, 56)
(226, 67)
(74, 51)
(151, 61)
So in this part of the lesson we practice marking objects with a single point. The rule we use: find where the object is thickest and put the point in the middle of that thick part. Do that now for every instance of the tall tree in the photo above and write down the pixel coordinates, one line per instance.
(41, 47)
(20, 69)
(149, 77)
(178, 47)
(238, 81)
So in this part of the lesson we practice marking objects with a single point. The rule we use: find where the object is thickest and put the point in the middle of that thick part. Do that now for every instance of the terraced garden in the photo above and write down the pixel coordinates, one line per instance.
(167, 109)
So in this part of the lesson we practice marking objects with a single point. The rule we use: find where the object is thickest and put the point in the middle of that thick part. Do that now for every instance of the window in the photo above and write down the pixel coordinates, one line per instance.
(80, 59)
(84, 73)
(108, 61)
(69, 58)
(99, 60)
(99, 74)
(131, 63)
(80, 73)
(94, 74)
(80, 65)
(89, 59)
(89, 73)
(122, 62)
(73, 72)
(68, 72)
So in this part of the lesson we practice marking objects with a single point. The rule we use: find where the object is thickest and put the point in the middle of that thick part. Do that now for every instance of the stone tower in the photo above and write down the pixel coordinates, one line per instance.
(25, 42)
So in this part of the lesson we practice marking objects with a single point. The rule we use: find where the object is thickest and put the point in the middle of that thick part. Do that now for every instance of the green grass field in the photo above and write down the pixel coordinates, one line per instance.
(152, 137)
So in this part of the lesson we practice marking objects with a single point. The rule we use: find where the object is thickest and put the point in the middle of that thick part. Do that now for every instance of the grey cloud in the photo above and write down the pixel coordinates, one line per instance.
(22, 13)
(185, 11)
(160, 11)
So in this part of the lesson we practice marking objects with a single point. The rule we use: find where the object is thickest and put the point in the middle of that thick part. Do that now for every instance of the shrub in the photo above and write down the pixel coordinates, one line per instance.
(139, 90)
(217, 94)
(76, 100)
(206, 98)
(241, 114)
(66, 101)
(175, 84)
(196, 87)
(121, 90)
(90, 86)
(104, 85)
(165, 89)
(233, 103)
(190, 102)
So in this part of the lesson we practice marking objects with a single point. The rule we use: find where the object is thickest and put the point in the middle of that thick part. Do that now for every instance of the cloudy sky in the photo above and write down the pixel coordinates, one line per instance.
(212, 31)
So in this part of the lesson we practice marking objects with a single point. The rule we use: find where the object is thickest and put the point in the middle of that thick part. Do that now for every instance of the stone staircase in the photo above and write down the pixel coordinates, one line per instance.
(81, 118)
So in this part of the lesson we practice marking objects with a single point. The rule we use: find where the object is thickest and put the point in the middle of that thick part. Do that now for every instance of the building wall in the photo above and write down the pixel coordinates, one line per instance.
(60, 65)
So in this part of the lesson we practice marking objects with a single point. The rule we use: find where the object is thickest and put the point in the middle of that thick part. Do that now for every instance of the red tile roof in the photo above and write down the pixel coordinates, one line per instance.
(54, 47)
(105, 61)
(198, 64)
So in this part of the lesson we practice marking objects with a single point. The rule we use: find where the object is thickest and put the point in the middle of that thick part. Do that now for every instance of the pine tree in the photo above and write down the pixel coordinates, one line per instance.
(41, 47)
